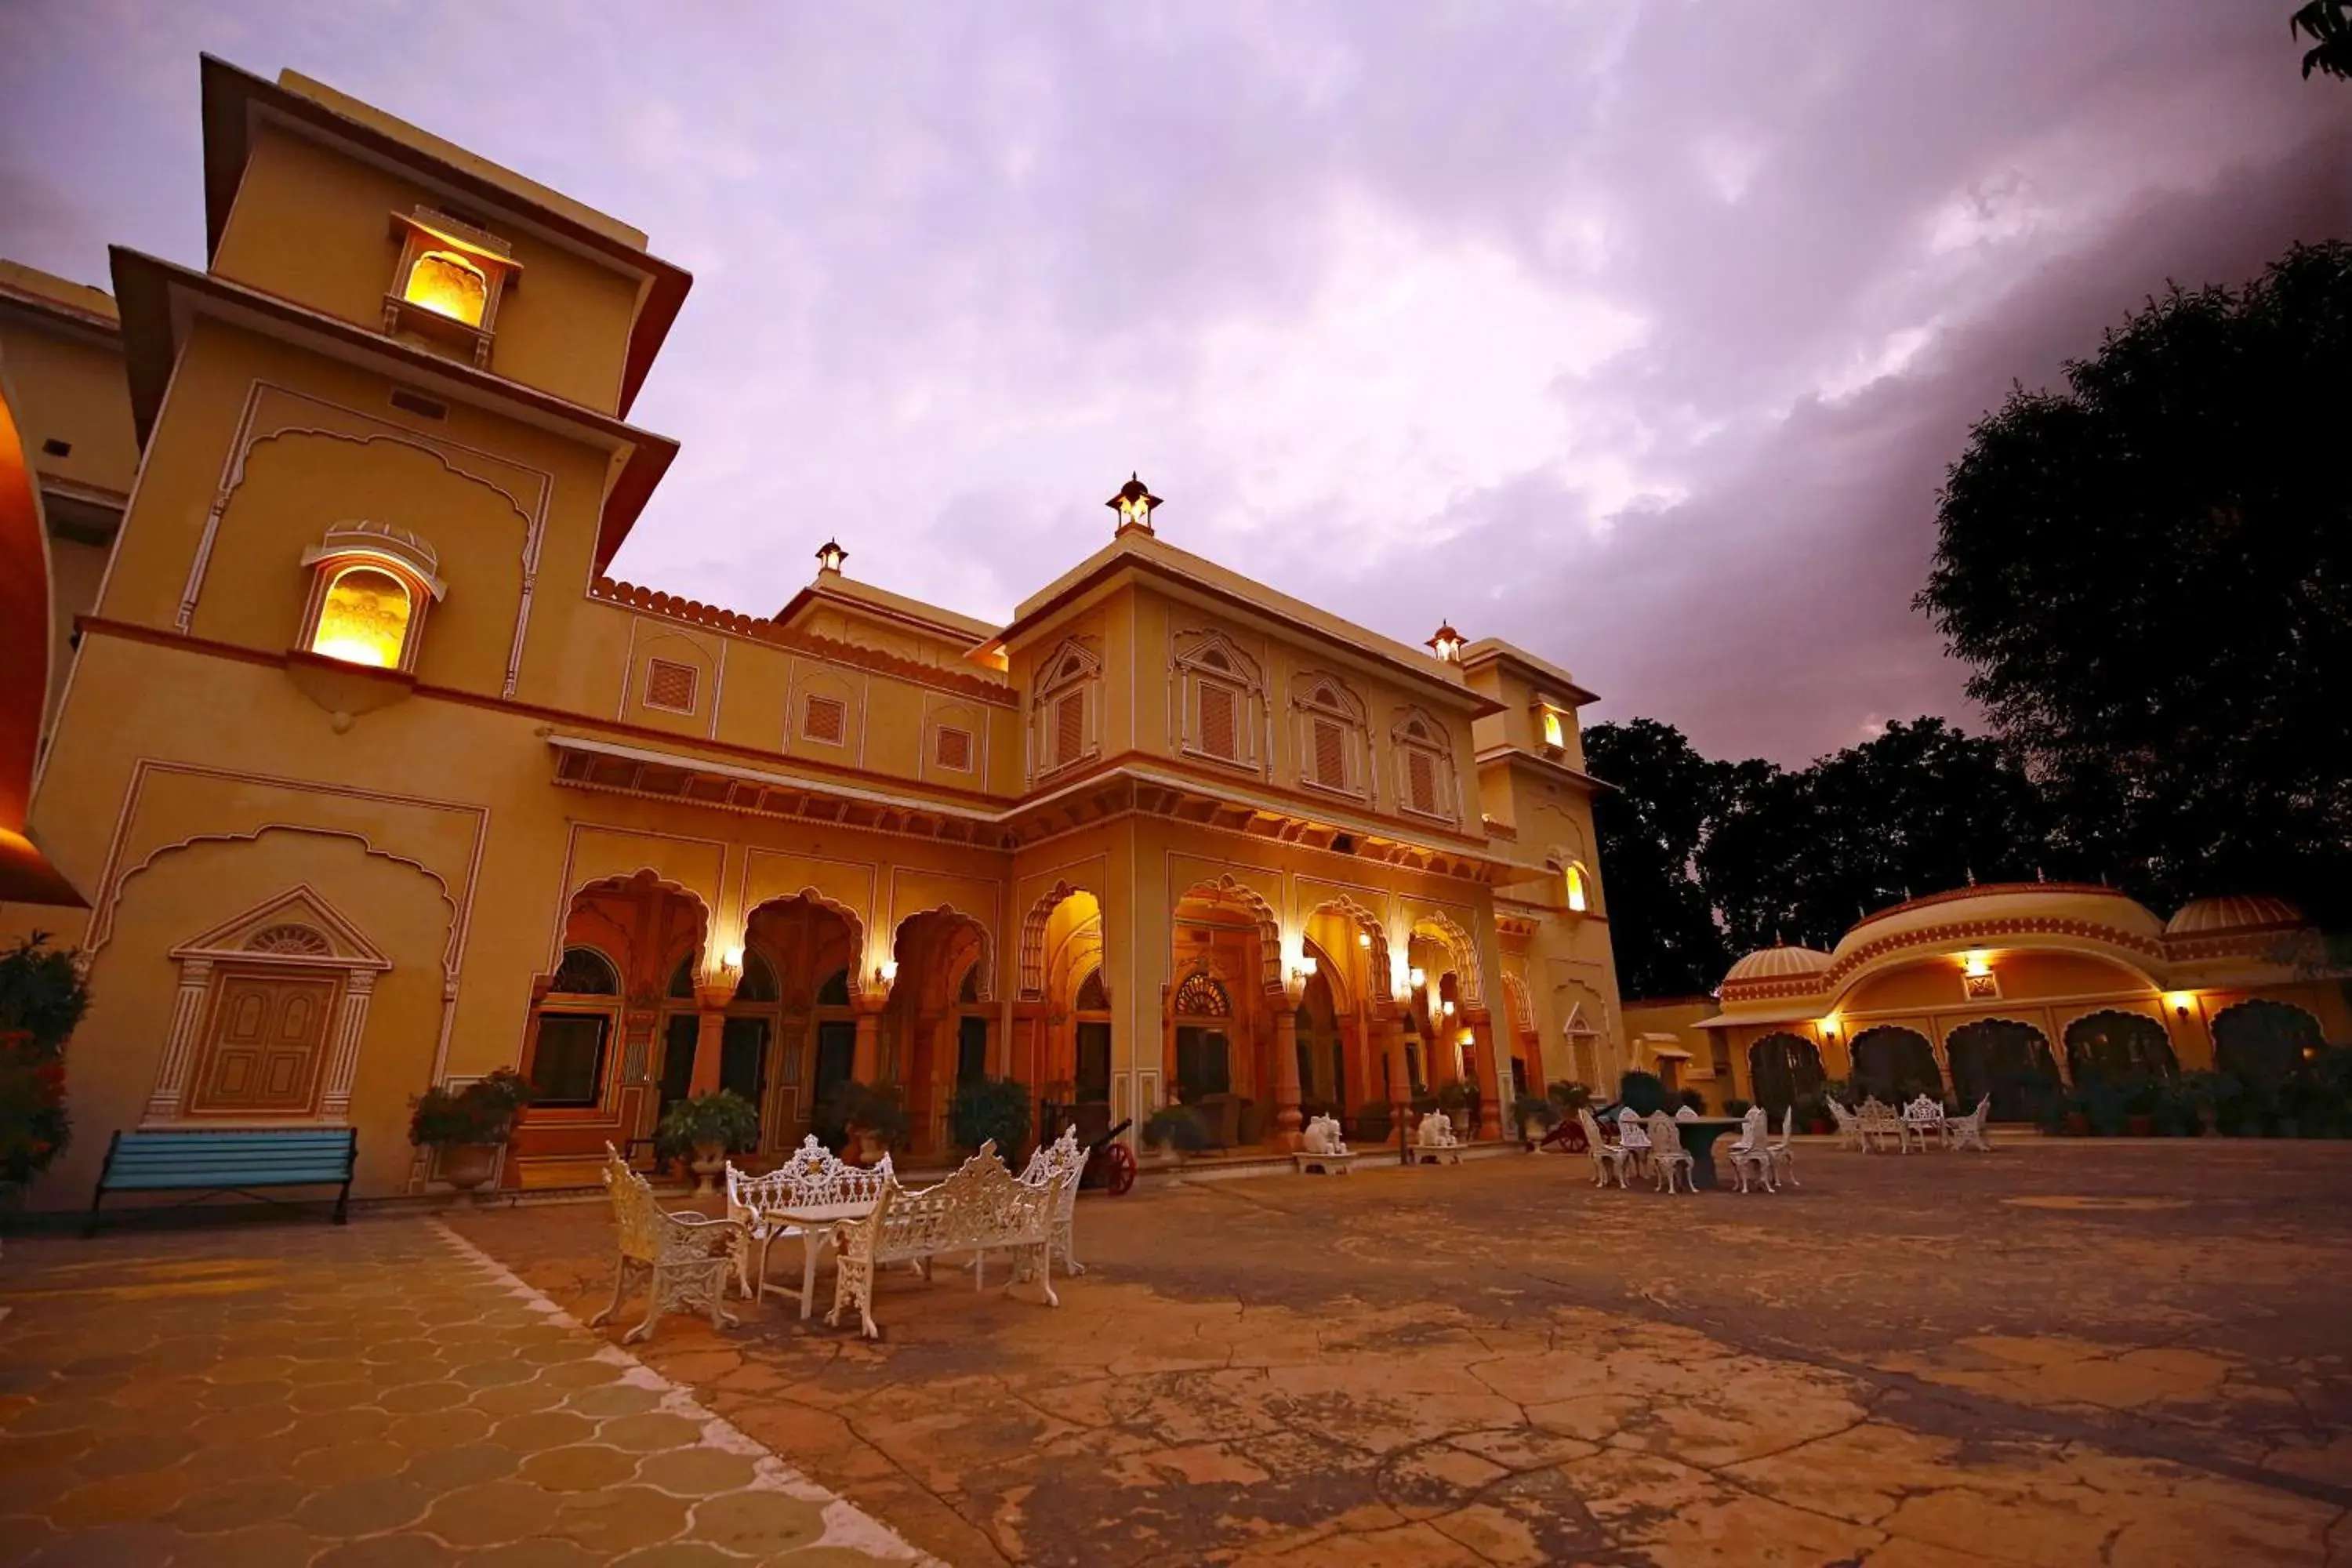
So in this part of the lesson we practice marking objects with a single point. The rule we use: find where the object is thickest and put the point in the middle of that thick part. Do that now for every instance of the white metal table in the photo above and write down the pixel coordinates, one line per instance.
(815, 1222)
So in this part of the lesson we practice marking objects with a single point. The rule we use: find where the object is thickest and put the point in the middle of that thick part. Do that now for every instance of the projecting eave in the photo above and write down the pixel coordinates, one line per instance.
(237, 102)
(870, 603)
(1547, 679)
(161, 303)
(1555, 771)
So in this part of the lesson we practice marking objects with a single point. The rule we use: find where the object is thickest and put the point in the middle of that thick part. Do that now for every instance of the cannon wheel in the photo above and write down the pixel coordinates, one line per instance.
(1119, 1170)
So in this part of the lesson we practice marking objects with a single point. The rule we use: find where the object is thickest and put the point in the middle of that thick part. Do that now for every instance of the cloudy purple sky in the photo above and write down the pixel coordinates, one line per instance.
(1639, 333)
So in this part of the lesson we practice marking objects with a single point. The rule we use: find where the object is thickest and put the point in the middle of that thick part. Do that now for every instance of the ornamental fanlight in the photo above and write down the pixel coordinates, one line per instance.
(1135, 503)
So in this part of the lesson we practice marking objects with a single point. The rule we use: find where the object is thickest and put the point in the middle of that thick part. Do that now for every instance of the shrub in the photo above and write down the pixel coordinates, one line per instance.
(990, 1108)
(1643, 1093)
(1375, 1122)
(721, 1117)
(1535, 1110)
(1735, 1106)
(42, 998)
(1693, 1099)
(1178, 1127)
(877, 1110)
(1570, 1096)
(1459, 1100)
(483, 1111)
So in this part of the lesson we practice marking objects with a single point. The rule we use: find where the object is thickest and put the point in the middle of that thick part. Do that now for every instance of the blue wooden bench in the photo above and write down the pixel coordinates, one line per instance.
(236, 1162)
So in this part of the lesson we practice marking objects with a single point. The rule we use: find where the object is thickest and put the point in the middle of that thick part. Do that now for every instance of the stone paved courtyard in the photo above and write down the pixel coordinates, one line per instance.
(2061, 1353)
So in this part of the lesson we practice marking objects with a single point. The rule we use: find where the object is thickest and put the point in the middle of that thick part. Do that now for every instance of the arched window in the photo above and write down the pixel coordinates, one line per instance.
(1783, 1069)
(1555, 733)
(1573, 882)
(1332, 753)
(585, 972)
(1219, 697)
(759, 982)
(1200, 996)
(371, 586)
(1895, 1064)
(448, 285)
(1092, 998)
(1426, 781)
(2006, 1059)
(834, 992)
(365, 617)
(1065, 721)
(681, 979)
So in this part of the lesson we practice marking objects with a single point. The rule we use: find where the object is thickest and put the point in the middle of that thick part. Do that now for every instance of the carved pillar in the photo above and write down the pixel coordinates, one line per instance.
(344, 1064)
(1391, 1030)
(1286, 1076)
(180, 1049)
(709, 1024)
(1490, 1077)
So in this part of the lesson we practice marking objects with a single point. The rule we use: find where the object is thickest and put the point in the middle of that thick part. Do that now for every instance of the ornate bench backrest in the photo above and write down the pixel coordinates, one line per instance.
(635, 1214)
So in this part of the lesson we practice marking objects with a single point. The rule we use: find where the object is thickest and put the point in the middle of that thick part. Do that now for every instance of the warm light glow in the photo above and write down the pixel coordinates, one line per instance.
(2180, 1001)
(1576, 889)
(364, 619)
(1449, 1008)
(831, 555)
(1977, 963)
(1363, 939)
(889, 970)
(731, 958)
(448, 285)
(1418, 976)
(1308, 965)
(1553, 735)
(1829, 1027)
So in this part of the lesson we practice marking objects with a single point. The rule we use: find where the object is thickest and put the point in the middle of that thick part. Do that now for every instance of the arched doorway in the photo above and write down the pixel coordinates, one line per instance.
(1322, 1051)
(791, 1033)
(2116, 1047)
(926, 1026)
(1063, 1025)
(1226, 951)
(1783, 1068)
(1895, 1064)
(2006, 1059)
(2264, 1042)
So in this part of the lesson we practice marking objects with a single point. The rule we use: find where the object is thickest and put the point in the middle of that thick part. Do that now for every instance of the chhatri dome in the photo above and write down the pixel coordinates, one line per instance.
(2240, 912)
(1777, 964)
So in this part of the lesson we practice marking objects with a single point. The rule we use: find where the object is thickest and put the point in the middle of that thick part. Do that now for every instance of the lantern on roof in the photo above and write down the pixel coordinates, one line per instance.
(1135, 504)
(830, 556)
(1447, 644)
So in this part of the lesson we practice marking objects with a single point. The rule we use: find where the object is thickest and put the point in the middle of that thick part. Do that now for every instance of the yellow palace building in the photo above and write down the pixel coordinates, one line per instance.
(374, 779)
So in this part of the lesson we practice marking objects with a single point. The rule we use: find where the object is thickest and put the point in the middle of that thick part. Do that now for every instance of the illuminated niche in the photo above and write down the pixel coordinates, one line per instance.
(446, 285)
(371, 586)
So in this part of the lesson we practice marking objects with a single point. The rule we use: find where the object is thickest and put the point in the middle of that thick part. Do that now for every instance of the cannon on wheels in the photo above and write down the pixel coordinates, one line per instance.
(1110, 1164)
(1567, 1136)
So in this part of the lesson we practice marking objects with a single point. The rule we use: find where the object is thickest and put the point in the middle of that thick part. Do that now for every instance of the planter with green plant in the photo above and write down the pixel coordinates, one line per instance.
(990, 1109)
(1570, 1096)
(704, 1129)
(1735, 1106)
(1459, 1100)
(468, 1125)
(874, 1118)
(1375, 1122)
(1536, 1115)
(1642, 1093)
(1179, 1128)
(42, 998)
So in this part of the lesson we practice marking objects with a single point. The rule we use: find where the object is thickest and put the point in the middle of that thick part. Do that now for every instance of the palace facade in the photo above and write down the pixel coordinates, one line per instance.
(2012, 990)
(373, 778)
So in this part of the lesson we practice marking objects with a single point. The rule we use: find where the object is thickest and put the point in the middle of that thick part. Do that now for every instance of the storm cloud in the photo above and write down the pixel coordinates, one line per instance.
(1639, 333)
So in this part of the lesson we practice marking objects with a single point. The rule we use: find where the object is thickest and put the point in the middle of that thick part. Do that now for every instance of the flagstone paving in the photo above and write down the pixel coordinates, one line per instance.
(373, 1396)
(2061, 1353)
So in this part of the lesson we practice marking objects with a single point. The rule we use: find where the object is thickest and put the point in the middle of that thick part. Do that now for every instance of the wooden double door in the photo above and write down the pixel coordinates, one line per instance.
(266, 1044)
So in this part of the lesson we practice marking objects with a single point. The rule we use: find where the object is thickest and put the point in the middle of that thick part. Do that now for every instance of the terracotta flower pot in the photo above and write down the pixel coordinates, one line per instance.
(709, 1159)
(465, 1166)
(2141, 1126)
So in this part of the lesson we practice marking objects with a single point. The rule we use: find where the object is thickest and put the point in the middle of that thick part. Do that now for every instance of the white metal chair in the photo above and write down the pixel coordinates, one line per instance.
(1848, 1126)
(687, 1259)
(1968, 1131)
(1632, 1139)
(1607, 1158)
(1923, 1120)
(1667, 1155)
(1782, 1156)
(1752, 1153)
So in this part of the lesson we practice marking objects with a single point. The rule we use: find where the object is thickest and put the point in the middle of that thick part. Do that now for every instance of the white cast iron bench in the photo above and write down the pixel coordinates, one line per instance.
(1058, 1165)
(803, 1197)
(981, 1208)
(1325, 1150)
(689, 1257)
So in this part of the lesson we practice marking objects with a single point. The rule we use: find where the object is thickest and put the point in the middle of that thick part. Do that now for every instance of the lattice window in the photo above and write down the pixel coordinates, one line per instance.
(670, 685)
(1220, 730)
(585, 972)
(954, 749)
(297, 939)
(1202, 996)
(1069, 729)
(824, 718)
(1421, 780)
(1330, 754)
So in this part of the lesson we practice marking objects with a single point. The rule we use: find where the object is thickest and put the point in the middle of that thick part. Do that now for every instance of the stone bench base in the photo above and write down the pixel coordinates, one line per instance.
(1330, 1164)
(1437, 1156)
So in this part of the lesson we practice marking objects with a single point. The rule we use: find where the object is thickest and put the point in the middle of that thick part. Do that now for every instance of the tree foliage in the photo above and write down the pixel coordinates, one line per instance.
(2150, 575)
(2329, 24)
(1650, 827)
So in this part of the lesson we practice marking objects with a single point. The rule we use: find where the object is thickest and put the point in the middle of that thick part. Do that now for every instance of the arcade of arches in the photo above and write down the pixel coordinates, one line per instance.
(2018, 993)
(644, 1008)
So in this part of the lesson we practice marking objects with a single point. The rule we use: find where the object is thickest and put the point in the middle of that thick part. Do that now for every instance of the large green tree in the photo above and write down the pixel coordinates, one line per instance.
(2329, 24)
(2150, 575)
(1650, 822)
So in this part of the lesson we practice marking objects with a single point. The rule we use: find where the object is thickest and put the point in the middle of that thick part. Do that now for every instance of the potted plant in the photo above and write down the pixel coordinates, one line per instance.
(1735, 1107)
(1375, 1122)
(42, 997)
(1459, 1100)
(872, 1118)
(1179, 1128)
(704, 1129)
(1536, 1115)
(988, 1110)
(1642, 1093)
(468, 1125)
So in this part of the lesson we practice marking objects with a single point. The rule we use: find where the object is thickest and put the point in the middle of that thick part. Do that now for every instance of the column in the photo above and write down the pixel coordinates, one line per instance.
(180, 1049)
(1286, 1076)
(865, 1066)
(1490, 1073)
(1391, 1030)
(344, 1066)
(709, 1024)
